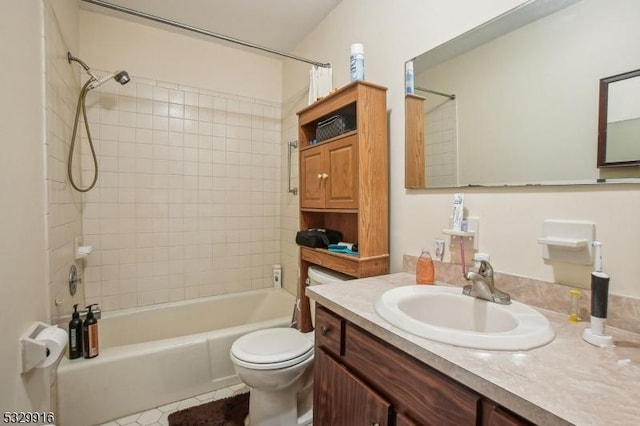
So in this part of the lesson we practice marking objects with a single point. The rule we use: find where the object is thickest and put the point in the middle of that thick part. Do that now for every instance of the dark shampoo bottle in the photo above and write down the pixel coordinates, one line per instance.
(75, 335)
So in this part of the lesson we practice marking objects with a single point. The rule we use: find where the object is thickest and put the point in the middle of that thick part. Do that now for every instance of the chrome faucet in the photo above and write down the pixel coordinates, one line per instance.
(482, 285)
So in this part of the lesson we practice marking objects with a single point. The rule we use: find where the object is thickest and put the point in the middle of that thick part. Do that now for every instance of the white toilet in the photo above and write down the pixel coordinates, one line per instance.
(275, 363)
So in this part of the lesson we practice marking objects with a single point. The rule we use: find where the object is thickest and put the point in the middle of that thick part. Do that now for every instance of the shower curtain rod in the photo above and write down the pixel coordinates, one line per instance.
(203, 32)
(422, 89)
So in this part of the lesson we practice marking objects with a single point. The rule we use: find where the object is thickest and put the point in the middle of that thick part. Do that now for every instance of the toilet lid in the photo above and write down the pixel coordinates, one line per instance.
(272, 348)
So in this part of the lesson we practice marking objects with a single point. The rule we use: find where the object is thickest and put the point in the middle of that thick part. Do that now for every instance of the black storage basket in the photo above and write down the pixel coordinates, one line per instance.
(334, 126)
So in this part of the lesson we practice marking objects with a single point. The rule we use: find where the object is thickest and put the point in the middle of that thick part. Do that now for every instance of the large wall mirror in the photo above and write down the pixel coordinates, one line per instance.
(516, 100)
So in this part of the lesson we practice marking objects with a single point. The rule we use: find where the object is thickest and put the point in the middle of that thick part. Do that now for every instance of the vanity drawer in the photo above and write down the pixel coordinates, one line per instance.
(329, 331)
(416, 390)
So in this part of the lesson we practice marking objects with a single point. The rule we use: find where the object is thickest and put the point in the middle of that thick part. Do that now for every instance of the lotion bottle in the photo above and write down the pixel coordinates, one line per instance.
(90, 335)
(425, 270)
(76, 347)
(356, 62)
(409, 82)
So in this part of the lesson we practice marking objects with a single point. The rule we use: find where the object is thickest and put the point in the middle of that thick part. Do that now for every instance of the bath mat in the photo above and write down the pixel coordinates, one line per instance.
(223, 412)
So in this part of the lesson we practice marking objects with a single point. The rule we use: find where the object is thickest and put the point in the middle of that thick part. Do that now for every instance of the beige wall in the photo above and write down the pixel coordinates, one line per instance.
(510, 219)
(23, 291)
(163, 54)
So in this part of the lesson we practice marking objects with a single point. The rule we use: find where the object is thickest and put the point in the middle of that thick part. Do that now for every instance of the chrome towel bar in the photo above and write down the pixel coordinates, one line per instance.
(292, 145)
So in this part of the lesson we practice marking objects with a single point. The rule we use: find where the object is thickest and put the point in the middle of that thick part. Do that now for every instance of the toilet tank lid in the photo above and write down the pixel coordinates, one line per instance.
(323, 275)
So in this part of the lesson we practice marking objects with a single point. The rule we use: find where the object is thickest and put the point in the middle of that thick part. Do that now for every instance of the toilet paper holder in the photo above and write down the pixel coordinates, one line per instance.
(34, 352)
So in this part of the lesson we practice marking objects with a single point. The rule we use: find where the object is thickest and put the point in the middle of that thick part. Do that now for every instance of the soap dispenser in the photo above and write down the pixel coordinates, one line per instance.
(425, 270)
(75, 335)
(90, 334)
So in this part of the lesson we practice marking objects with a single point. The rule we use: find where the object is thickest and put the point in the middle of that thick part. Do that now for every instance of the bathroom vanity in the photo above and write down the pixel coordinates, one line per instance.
(367, 369)
(359, 376)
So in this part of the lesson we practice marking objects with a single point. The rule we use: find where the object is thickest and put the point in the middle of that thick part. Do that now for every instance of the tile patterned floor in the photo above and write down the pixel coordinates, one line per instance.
(159, 415)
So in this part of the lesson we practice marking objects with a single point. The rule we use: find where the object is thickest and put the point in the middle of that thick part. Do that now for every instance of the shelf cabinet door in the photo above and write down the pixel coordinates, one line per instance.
(341, 399)
(311, 183)
(342, 169)
(329, 175)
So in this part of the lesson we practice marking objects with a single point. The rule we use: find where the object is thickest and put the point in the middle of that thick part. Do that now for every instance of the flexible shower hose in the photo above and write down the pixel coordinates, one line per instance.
(81, 107)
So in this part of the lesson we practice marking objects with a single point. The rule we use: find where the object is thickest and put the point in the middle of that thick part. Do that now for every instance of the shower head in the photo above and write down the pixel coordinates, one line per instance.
(121, 77)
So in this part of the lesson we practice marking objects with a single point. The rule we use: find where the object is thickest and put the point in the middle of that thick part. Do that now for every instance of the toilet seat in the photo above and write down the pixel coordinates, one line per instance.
(272, 348)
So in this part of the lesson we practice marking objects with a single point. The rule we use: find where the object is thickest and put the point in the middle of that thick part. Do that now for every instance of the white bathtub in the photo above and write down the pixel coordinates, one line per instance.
(157, 355)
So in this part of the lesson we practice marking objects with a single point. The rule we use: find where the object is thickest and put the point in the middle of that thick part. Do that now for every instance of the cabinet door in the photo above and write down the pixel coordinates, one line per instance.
(311, 181)
(425, 395)
(342, 170)
(341, 399)
(494, 415)
(402, 420)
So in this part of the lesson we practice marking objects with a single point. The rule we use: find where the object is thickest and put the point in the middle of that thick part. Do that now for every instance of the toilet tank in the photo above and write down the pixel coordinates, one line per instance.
(320, 275)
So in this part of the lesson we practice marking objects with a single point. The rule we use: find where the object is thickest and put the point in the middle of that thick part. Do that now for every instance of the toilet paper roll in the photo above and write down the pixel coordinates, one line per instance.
(55, 340)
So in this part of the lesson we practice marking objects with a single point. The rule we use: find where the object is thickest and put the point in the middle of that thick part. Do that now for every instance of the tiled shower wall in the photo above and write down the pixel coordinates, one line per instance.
(64, 206)
(187, 202)
(290, 217)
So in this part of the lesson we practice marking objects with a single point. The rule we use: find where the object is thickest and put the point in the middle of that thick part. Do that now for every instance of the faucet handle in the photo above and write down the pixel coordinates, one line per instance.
(485, 269)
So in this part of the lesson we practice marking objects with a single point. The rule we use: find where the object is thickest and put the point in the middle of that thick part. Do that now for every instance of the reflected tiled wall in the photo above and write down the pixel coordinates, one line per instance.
(187, 203)
(442, 148)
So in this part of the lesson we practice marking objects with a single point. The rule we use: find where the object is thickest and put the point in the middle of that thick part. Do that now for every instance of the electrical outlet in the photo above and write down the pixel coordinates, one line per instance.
(440, 244)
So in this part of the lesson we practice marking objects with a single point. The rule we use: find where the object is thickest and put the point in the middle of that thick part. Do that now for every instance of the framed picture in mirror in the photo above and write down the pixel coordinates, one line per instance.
(619, 120)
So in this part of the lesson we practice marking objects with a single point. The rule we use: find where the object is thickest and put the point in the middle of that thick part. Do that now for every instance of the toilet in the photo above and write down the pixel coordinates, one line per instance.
(276, 365)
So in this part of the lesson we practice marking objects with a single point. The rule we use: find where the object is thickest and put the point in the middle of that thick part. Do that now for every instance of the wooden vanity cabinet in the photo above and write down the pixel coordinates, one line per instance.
(344, 183)
(362, 380)
(355, 403)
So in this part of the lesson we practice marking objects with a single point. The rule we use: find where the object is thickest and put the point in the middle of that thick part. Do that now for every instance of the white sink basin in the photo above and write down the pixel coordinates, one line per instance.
(446, 315)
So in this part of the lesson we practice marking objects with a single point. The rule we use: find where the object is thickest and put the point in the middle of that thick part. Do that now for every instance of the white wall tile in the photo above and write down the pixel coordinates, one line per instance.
(184, 193)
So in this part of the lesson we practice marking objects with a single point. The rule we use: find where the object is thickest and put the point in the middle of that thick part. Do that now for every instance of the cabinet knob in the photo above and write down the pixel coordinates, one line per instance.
(324, 330)
(319, 175)
(324, 176)
(375, 424)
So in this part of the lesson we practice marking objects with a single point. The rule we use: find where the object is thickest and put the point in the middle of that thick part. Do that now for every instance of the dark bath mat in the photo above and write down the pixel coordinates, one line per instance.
(223, 412)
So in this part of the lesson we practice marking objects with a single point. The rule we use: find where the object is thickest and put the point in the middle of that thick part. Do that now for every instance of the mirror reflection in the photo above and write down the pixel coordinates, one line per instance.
(525, 109)
(619, 125)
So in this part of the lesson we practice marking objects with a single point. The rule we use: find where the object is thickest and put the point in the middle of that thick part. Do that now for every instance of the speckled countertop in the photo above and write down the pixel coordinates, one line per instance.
(567, 381)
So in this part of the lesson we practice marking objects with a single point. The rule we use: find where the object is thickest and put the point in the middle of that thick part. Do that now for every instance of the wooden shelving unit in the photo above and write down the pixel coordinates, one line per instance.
(344, 184)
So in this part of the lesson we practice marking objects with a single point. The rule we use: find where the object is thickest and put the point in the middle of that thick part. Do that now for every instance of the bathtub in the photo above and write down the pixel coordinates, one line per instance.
(161, 354)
